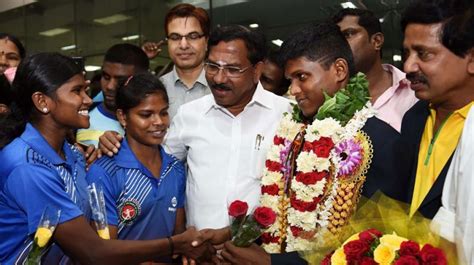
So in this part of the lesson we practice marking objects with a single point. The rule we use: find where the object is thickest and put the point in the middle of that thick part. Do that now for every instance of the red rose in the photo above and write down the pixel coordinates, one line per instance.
(272, 165)
(270, 189)
(369, 235)
(409, 248)
(327, 259)
(278, 140)
(267, 238)
(264, 216)
(355, 249)
(307, 146)
(432, 256)
(303, 206)
(323, 146)
(238, 209)
(311, 177)
(296, 230)
(407, 260)
(367, 261)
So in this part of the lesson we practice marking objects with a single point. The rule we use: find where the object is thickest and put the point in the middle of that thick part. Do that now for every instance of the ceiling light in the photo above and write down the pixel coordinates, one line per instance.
(253, 25)
(277, 42)
(12, 4)
(381, 20)
(54, 32)
(91, 68)
(348, 5)
(397, 58)
(112, 19)
(69, 47)
(131, 37)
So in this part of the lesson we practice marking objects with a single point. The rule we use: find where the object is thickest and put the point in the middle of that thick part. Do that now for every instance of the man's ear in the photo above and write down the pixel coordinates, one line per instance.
(121, 116)
(377, 40)
(470, 61)
(341, 69)
(258, 72)
(42, 102)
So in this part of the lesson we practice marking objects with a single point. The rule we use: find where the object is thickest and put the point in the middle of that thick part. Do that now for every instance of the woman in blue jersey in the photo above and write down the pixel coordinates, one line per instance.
(39, 168)
(143, 185)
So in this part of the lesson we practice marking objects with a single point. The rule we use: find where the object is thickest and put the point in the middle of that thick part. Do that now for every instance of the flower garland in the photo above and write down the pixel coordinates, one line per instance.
(320, 189)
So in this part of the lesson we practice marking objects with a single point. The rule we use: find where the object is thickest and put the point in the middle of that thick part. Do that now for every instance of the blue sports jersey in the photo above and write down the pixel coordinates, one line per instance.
(139, 204)
(33, 176)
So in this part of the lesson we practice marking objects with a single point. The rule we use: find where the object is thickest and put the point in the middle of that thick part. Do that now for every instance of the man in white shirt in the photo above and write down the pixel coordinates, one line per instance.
(224, 137)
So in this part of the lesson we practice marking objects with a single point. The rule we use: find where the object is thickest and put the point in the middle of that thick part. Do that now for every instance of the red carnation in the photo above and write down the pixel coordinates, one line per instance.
(323, 147)
(311, 177)
(264, 216)
(409, 248)
(432, 256)
(367, 261)
(267, 238)
(307, 146)
(303, 206)
(270, 189)
(296, 230)
(272, 165)
(369, 235)
(355, 249)
(278, 140)
(238, 209)
(406, 260)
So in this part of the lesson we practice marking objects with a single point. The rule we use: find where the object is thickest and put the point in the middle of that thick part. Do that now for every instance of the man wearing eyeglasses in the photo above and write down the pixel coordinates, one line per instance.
(187, 31)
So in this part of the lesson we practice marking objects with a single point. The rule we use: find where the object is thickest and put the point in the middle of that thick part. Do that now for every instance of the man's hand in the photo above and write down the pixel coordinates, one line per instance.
(192, 245)
(253, 255)
(89, 152)
(152, 49)
(109, 143)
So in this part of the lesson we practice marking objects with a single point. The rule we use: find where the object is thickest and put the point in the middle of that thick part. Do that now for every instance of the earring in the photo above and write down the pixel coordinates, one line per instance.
(44, 110)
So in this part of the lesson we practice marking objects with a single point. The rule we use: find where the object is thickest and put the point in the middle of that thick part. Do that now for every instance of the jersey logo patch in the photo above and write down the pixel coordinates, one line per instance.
(129, 211)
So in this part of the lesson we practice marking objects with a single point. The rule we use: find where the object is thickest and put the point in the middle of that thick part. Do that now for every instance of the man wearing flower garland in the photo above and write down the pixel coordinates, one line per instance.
(317, 59)
(440, 65)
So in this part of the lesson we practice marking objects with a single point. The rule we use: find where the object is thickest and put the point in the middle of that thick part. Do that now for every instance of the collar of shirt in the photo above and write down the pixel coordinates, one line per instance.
(127, 159)
(259, 98)
(201, 78)
(398, 82)
(103, 111)
(36, 141)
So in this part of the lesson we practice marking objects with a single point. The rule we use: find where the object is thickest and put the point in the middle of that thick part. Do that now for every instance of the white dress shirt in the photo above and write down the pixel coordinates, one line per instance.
(225, 154)
(455, 219)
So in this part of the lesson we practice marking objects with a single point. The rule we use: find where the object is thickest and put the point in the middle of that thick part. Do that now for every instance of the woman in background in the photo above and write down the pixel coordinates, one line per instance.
(11, 52)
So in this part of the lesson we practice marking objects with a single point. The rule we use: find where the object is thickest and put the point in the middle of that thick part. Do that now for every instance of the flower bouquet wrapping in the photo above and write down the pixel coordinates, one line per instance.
(381, 232)
(245, 229)
(99, 215)
(48, 222)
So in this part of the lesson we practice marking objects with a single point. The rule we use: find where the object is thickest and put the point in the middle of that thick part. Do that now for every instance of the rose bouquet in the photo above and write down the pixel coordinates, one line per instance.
(372, 247)
(245, 229)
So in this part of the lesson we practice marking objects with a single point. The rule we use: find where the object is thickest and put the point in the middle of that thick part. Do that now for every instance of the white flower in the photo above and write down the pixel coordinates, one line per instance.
(288, 128)
(274, 153)
(307, 193)
(270, 177)
(269, 200)
(271, 248)
(328, 127)
(305, 220)
(322, 164)
(297, 244)
(306, 162)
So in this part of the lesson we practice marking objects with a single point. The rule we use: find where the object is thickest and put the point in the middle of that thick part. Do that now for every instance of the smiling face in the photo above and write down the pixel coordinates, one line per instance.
(309, 79)
(186, 54)
(112, 73)
(147, 123)
(233, 93)
(69, 106)
(436, 74)
(9, 55)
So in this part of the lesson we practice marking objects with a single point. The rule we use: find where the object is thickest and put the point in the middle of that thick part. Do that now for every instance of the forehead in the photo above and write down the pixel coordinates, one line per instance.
(184, 25)
(153, 100)
(7, 46)
(422, 35)
(231, 52)
(303, 65)
(118, 69)
(349, 21)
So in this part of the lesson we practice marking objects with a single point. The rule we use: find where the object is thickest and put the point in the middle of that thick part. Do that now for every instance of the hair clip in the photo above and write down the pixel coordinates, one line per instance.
(128, 80)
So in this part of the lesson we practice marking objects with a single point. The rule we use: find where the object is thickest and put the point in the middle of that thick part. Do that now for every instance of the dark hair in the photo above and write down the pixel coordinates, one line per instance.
(458, 35)
(136, 88)
(42, 72)
(187, 10)
(442, 11)
(6, 94)
(16, 41)
(367, 19)
(254, 40)
(323, 43)
(128, 54)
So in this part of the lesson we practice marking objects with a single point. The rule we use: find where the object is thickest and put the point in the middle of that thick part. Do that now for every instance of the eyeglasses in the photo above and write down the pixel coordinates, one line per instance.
(230, 71)
(189, 37)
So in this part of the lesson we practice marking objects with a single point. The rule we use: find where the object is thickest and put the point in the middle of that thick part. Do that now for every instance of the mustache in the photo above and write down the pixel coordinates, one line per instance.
(220, 86)
(416, 77)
